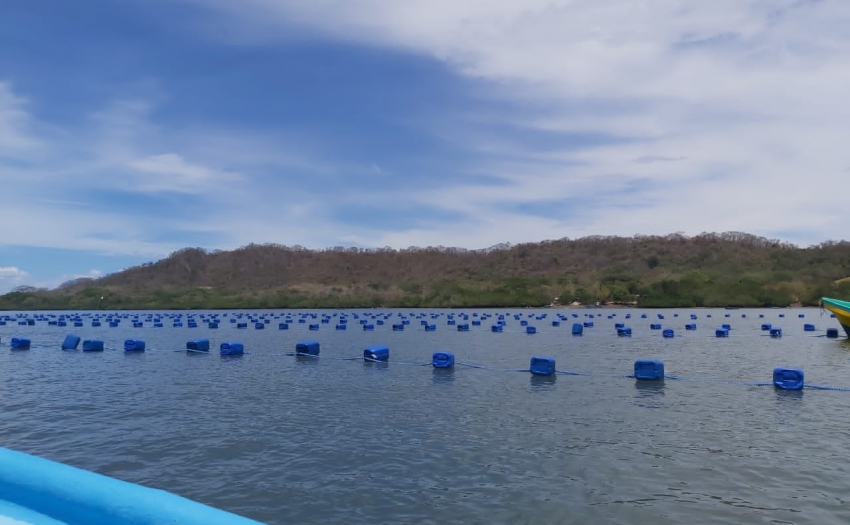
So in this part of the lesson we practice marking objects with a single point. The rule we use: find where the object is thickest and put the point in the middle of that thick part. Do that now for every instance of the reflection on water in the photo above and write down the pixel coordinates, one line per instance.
(306, 360)
(442, 375)
(650, 388)
(783, 397)
(649, 394)
(542, 383)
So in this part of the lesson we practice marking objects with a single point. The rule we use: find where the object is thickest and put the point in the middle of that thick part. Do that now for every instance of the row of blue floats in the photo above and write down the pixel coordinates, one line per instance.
(72, 342)
(644, 370)
(260, 321)
(498, 327)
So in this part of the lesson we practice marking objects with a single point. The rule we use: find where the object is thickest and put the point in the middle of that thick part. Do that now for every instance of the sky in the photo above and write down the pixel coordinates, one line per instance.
(130, 129)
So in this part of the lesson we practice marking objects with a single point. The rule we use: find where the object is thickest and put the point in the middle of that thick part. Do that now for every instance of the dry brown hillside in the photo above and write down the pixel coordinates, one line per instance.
(708, 269)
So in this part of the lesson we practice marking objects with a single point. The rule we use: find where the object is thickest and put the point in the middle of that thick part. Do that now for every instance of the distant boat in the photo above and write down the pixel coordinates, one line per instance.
(841, 309)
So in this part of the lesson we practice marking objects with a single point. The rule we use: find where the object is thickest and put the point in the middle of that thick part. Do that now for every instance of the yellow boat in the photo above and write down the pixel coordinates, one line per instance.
(841, 309)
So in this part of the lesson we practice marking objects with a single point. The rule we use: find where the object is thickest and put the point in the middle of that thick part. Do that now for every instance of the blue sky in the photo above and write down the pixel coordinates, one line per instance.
(132, 128)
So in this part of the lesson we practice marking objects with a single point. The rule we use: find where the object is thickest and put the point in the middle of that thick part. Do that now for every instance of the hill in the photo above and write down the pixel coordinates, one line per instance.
(727, 269)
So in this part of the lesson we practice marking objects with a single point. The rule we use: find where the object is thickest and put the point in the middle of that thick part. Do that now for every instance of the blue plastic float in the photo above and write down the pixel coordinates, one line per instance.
(92, 345)
(134, 345)
(308, 347)
(71, 342)
(198, 345)
(542, 366)
(20, 343)
(231, 349)
(376, 353)
(788, 378)
(443, 360)
(649, 370)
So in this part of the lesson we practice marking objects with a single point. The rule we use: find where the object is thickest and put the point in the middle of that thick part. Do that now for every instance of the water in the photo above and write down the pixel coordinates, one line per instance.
(297, 440)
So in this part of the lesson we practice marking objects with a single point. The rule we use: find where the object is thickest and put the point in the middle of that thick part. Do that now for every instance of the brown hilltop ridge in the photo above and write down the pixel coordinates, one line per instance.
(674, 270)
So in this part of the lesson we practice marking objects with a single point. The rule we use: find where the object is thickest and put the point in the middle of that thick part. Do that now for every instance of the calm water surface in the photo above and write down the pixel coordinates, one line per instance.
(293, 440)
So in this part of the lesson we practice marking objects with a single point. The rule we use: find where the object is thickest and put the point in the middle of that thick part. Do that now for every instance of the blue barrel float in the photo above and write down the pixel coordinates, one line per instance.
(308, 347)
(71, 342)
(649, 370)
(542, 366)
(198, 345)
(788, 378)
(668, 333)
(39, 491)
(92, 345)
(231, 349)
(443, 360)
(134, 345)
(578, 329)
(20, 343)
(376, 353)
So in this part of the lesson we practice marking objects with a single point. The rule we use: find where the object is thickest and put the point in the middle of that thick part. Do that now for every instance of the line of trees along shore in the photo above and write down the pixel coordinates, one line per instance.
(707, 270)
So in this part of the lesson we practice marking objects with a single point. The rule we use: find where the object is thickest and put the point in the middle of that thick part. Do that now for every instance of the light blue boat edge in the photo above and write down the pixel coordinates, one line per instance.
(79, 497)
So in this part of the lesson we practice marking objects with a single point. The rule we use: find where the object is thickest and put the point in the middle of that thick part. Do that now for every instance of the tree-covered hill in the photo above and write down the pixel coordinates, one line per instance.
(727, 269)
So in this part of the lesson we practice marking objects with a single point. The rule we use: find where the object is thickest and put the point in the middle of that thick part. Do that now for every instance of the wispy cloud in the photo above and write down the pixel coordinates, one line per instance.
(735, 109)
(169, 172)
(15, 122)
(64, 278)
(11, 277)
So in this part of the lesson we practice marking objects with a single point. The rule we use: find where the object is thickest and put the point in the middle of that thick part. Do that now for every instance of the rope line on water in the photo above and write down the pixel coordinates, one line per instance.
(825, 387)
(482, 367)
(571, 373)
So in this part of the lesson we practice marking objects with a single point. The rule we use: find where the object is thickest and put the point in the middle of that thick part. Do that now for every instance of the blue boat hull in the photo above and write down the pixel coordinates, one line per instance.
(38, 491)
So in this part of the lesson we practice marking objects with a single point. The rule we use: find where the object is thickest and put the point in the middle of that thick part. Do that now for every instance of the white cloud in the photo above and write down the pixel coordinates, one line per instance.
(10, 277)
(15, 123)
(170, 172)
(56, 281)
(748, 95)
